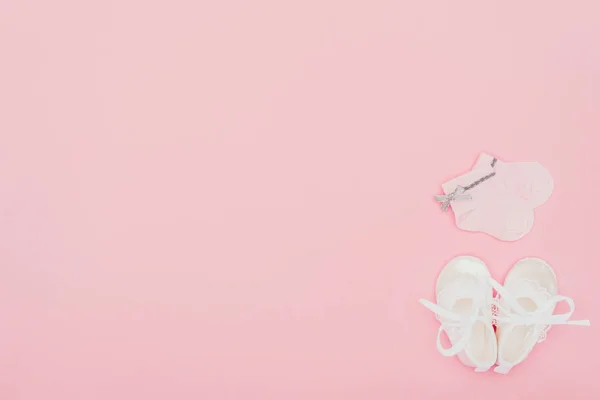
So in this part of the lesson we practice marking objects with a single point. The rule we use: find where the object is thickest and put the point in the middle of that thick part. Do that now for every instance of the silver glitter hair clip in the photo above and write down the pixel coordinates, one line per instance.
(460, 192)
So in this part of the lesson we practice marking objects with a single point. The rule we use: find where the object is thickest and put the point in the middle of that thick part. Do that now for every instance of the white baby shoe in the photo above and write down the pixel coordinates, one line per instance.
(525, 311)
(464, 308)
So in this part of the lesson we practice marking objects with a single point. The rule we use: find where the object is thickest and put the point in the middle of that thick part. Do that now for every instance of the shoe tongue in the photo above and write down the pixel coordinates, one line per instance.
(467, 287)
(530, 290)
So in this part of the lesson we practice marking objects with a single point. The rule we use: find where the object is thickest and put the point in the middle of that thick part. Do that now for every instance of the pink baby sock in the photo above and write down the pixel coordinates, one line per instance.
(488, 210)
(498, 198)
(529, 181)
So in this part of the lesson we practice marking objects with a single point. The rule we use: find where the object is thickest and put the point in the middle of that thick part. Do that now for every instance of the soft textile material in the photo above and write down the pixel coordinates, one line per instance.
(501, 206)
(526, 306)
(463, 307)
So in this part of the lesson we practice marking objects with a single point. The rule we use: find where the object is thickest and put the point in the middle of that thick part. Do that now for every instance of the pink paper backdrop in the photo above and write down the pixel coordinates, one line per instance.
(232, 199)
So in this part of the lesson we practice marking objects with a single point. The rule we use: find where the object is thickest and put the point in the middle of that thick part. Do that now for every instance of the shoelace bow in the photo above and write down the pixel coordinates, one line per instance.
(517, 315)
(465, 323)
(449, 319)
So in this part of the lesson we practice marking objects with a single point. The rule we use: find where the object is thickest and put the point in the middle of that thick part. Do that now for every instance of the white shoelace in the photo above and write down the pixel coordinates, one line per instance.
(449, 319)
(465, 323)
(518, 316)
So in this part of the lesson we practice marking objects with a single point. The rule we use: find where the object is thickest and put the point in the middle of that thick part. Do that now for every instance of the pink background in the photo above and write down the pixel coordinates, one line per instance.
(233, 199)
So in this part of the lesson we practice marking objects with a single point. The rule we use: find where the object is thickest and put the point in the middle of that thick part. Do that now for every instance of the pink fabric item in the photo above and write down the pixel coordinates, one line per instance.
(503, 205)
(529, 181)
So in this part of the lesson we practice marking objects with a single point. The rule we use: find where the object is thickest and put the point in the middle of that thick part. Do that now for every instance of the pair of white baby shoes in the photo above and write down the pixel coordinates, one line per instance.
(522, 311)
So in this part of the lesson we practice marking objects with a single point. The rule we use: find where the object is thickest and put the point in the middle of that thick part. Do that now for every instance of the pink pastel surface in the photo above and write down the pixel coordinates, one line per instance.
(233, 199)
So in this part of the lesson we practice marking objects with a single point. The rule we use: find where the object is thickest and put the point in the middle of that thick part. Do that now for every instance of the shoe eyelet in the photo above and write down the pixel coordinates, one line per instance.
(542, 337)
